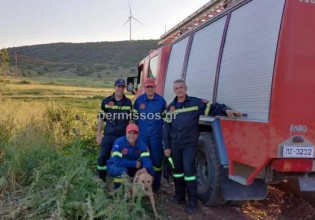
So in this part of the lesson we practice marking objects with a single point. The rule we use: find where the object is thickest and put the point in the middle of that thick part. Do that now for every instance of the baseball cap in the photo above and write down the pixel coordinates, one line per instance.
(149, 82)
(120, 82)
(132, 127)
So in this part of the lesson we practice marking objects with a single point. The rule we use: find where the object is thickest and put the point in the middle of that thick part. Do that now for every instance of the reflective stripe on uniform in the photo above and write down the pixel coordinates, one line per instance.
(181, 110)
(190, 178)
(118, 180)
(145, 154)
(178, 175)
(189, 109)
(118, 107)
(157, 169)
(167, 120)
(101, 111)
(164, 113)
(171, 162)
(101, 115)
(102, 167)
(207, 109)
(134, 110)
(116, 153)
(125, 108)
(169, 116)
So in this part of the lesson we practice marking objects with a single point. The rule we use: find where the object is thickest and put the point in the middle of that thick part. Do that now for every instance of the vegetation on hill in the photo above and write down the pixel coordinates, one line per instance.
(4, 64)
(97, 60)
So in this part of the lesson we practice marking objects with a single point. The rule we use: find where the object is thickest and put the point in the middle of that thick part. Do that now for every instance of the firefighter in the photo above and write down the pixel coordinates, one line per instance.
(150, 108)
(180, 139)
(129, 154)
(115, 110)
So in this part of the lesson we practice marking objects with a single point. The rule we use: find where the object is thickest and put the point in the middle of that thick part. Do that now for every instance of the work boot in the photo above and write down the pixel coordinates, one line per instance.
(178, 199)
(180, 191)
(102, 175)
(103, 179)
(191, 207)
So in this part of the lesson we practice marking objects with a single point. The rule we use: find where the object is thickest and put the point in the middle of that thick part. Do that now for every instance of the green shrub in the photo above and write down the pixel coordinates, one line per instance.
(48, 170)
(61, 184)
(53, 83)
(59, 121)
(98, 97)
(28, 82)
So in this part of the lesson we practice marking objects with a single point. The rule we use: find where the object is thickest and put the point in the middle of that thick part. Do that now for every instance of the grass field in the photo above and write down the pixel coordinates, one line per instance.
(72, 79)
(48, 154)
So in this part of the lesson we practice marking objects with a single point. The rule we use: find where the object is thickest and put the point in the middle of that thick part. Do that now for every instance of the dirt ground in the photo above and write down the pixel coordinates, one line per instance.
(278, 205)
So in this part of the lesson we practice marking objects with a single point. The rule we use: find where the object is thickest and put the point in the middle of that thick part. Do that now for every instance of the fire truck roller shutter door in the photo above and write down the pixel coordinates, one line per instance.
(174, 68)
(203, 59)
(248, 58)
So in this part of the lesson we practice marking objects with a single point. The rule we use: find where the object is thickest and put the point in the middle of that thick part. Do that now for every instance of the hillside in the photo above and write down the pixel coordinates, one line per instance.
(96, 59)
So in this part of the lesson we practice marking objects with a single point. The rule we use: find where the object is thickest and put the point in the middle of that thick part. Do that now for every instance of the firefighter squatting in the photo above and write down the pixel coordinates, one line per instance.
(133, 136)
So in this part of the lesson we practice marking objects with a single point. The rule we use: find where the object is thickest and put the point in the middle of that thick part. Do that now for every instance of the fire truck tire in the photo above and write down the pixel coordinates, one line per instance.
(209, 171)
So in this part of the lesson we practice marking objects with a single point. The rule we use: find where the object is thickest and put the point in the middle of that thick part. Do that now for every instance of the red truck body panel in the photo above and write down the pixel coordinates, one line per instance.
(255, 144)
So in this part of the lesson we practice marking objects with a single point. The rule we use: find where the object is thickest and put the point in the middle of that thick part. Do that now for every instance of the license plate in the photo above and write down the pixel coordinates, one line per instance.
(298, 151)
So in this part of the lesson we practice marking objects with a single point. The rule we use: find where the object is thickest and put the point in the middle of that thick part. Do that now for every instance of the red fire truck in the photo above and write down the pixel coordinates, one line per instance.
(257, 57)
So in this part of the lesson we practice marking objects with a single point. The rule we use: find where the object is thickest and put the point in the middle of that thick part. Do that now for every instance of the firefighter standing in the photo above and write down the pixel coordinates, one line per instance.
(181, 137)
(150, 108)
(114, 110)
(129, 154)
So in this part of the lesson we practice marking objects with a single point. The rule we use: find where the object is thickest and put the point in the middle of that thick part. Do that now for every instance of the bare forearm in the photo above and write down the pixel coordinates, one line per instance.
(100, 127)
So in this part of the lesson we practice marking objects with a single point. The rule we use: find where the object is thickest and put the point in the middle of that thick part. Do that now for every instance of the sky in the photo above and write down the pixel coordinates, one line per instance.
(30, 22)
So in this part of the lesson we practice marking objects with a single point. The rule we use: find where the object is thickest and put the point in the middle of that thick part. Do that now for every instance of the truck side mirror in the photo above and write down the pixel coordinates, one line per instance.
(130, 85)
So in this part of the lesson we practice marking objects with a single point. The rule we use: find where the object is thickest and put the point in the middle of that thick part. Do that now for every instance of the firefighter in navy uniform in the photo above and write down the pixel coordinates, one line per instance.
(129, 154)
(153, 106)
(115, 111)
(180, 139)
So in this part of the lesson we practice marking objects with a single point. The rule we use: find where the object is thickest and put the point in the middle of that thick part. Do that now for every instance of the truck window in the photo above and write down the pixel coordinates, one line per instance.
(175, 67)
(140, 76)
(248, 58)
(203, 59)
(153, 67)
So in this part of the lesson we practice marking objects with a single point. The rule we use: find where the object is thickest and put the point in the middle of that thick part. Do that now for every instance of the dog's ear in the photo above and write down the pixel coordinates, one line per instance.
(151, 177)
(136, 179)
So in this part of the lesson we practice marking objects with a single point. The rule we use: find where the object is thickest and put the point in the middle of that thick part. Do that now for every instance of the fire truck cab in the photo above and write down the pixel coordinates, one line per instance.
(257, 57)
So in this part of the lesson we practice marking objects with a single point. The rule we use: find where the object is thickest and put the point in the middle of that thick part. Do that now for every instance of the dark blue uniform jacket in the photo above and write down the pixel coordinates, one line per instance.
(119, 113)
(182, 129)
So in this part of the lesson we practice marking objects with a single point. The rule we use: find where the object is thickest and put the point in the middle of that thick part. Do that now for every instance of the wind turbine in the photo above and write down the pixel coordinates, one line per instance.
(129, 20)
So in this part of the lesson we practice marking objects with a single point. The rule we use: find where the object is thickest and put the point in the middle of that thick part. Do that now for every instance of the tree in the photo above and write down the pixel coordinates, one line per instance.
(4, 63)
(4, 58)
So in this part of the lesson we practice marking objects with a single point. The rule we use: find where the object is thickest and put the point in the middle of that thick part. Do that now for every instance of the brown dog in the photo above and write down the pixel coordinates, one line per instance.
(145, 180)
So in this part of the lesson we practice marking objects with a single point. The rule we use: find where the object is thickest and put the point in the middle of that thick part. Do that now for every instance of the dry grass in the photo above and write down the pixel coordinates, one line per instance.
(48, 155)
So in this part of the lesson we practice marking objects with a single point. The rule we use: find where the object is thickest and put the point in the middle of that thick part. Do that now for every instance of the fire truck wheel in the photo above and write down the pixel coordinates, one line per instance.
(209, 171)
